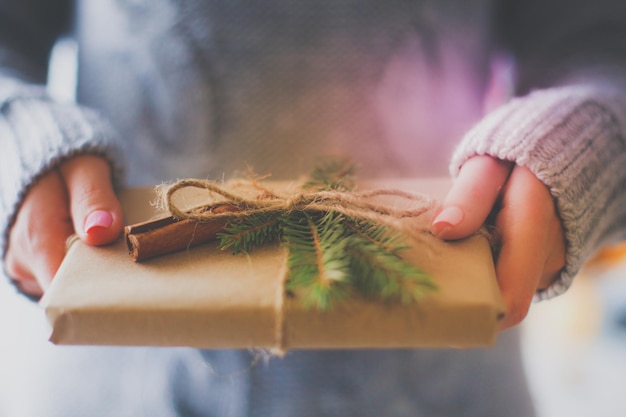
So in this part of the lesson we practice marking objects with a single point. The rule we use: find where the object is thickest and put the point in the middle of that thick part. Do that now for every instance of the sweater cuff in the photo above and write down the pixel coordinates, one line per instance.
(37, 135)
(572, 139)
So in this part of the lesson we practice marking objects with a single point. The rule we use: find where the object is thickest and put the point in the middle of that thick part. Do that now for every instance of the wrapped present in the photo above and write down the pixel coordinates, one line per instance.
(209, 298)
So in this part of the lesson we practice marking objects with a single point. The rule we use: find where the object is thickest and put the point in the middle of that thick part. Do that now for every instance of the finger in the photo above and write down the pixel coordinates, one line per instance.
(37, 239)
(23, 278)
(471, 198)
(531, 244)
(95, 209)
(556, 249)
(30, 286)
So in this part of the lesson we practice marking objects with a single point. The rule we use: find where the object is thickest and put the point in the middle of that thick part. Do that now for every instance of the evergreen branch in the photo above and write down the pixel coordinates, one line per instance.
(317, 260)
(379, 273)
(332, 255)
(252, 231)
(377, 234)
(333, 174)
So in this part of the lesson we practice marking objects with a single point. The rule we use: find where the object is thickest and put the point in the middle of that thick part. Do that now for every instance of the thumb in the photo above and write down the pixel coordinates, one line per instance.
(37, 239)
(96, 211)
(471, 198)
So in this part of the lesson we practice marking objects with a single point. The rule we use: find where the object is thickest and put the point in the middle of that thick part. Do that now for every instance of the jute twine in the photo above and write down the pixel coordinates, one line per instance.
(356, 205)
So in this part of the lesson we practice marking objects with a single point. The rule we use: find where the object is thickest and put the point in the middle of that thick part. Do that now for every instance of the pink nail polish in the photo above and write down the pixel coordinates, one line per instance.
(98, 219)
(449, 217)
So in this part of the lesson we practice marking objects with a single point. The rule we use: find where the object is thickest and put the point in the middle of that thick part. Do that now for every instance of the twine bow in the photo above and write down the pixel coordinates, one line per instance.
(352, 204)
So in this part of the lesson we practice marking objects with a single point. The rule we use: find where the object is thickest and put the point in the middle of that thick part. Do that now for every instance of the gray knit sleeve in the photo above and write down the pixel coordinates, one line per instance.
(37, 134)
(573, 139)
(568, 123)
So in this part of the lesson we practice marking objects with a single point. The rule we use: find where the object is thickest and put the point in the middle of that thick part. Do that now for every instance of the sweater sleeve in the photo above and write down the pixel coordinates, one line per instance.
(572, 139)
(37, 133)
(568, 121)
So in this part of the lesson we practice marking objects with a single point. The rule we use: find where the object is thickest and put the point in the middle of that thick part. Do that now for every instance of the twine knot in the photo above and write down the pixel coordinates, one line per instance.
(224, 202)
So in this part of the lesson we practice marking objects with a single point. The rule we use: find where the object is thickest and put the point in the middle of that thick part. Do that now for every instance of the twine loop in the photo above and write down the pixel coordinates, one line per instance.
(226, 203)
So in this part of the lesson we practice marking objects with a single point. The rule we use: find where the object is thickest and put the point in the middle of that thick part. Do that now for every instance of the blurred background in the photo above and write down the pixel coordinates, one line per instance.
(575, 345)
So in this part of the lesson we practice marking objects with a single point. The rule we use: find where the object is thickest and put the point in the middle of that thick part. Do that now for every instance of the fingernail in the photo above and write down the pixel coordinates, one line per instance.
(98, 219)
(449, 217)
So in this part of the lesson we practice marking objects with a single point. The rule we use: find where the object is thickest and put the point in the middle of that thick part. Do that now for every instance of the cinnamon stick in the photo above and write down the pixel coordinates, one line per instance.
(167, 235)
(153, 238)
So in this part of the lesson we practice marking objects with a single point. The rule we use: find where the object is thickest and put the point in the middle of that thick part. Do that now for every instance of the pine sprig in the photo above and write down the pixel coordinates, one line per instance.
(332, 174)
(317, 261)
(377, 234)
(252, 231)
(378, 270)
(332, 255)
(378, 273)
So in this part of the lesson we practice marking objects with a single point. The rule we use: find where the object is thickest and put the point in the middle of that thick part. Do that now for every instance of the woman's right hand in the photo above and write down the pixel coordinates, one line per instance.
(76, 198)
(531, 237)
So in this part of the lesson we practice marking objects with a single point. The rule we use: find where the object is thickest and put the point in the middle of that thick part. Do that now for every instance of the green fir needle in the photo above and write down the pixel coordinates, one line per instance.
(330, 255)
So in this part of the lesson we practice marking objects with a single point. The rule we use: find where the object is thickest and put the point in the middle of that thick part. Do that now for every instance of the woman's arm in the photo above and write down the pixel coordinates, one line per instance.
(48, 186)
(567, 128)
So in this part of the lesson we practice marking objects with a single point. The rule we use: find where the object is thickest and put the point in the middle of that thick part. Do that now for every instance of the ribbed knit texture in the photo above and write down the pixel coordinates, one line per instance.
(37, 134)
(572, 139)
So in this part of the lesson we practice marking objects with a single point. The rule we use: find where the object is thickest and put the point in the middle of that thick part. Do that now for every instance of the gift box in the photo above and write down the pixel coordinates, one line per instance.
(207, 298)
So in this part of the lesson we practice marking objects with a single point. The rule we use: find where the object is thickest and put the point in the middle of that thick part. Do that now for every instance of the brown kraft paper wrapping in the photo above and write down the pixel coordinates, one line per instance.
(208, 298)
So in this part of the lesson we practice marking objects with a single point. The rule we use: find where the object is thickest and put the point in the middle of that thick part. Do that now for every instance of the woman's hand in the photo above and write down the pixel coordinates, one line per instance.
(76, 198)
(532, 244)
